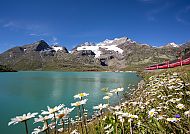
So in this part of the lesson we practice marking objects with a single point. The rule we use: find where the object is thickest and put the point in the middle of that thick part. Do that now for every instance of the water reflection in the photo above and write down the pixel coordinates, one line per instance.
(24, 92)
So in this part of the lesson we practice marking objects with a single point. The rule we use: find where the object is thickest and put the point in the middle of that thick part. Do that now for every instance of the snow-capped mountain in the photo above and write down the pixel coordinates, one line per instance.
(107, 45)
(172, 44)
(115, 41)
(116, 53)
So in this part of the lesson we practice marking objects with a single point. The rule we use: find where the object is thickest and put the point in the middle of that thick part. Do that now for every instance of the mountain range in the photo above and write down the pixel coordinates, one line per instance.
(116, 54)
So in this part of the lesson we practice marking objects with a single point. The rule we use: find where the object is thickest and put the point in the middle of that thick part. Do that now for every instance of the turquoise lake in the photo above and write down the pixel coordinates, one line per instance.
(23, 92)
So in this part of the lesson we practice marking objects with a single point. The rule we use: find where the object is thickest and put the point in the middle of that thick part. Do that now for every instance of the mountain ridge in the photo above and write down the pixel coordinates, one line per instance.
(113, 54)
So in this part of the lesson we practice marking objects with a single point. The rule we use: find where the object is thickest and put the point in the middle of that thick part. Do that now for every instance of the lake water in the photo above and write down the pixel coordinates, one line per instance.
(23, 92)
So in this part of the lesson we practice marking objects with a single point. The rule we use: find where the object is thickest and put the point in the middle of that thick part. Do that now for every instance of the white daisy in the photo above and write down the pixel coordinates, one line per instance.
(106, 97)
(79, 103)
(117, 90)
(152, 112)
(81, 95)
(100, 106)
(52, 110)
(180, 106)
(22, 118)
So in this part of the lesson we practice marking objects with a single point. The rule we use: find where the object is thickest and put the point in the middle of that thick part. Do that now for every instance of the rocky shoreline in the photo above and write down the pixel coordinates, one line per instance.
(6, 69)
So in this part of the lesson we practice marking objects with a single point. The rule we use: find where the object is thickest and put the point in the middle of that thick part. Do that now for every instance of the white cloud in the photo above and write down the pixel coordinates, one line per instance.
(151, 15)
(180, 17)
(35, 34)
(32, 34)
(54, 41)
(9, 24)
(31, 29)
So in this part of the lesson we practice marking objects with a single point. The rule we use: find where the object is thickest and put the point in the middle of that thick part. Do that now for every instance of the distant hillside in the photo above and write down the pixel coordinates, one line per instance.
(113, 54)
(41, 56)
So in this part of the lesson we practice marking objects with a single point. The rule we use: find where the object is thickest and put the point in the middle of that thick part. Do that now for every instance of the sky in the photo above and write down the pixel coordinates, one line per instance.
(71, 22)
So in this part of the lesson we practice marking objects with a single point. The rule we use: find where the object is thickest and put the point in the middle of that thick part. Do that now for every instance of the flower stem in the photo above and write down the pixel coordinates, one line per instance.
(47, 126)
(68, 125)
(26, 126)
(85, 124)
(123, 128)
(101, 112)
(55, 123)
(116, 124)
(63, 125)
(80, 119)
(118, 98)
(131, 129)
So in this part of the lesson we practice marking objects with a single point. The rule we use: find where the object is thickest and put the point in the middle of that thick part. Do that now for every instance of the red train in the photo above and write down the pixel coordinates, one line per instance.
(169, 65)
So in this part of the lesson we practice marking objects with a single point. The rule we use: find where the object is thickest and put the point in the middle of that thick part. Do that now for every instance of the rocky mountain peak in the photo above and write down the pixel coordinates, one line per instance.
(172, 44)
(116, 41)
(40, 42)
(41, 46)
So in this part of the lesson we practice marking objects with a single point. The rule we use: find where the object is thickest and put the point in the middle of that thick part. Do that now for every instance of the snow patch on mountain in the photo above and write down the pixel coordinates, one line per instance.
(109, 45)
(172, 44)
(146, 45)
(113, 48)
(56, 48)
(94, 49)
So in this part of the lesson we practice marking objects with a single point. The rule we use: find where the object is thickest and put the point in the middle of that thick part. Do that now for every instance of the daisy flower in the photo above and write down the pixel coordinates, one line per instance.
(172, 119)
(117, 90)
(52, 110)
(132, 116)
(63, 113)
(100, 106)
(81, 95)
(22, 118)
(187, 113)
(180, 106)
(42, 119)
(79, 103)
(39, 130)
(152, 112)
(106, 97)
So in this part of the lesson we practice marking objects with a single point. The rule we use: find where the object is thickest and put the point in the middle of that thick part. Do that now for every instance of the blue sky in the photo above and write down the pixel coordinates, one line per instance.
(71, 22)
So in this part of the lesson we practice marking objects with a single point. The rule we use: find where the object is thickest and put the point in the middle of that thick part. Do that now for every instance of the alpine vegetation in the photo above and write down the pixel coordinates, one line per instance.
(162, 106)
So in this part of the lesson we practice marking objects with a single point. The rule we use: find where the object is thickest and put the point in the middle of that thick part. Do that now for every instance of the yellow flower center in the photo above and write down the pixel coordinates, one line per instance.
(81, 94)
(77, 103)
(151, 113)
